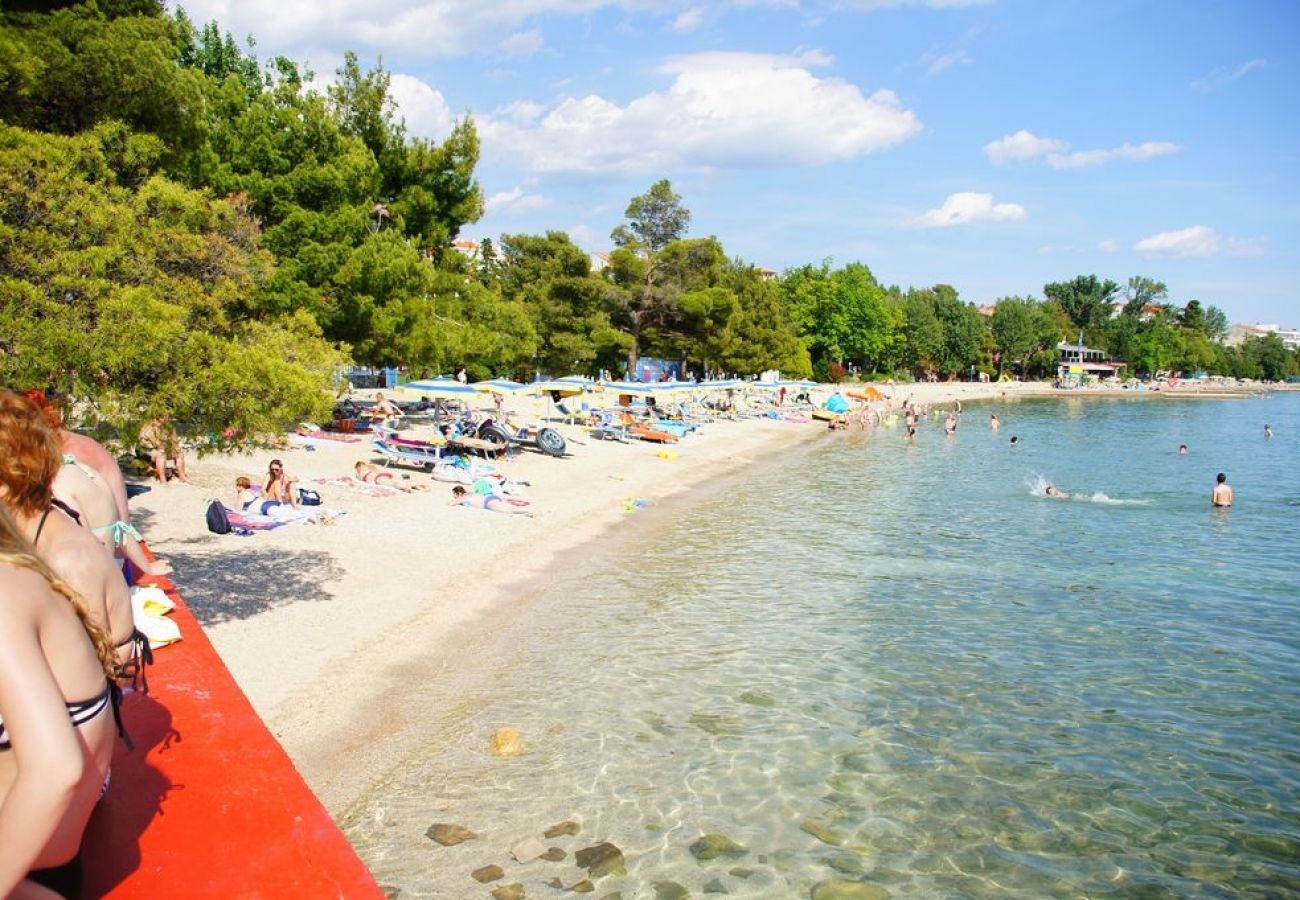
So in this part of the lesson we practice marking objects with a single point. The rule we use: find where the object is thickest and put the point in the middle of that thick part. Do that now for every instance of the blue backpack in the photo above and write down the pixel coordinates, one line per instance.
(218, 521)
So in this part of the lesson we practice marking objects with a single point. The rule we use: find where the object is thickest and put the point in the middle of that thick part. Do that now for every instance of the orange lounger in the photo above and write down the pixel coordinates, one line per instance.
(646, 433)
(209, 804)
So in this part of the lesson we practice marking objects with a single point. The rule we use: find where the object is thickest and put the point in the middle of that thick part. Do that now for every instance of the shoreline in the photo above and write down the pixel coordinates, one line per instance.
(338, 633)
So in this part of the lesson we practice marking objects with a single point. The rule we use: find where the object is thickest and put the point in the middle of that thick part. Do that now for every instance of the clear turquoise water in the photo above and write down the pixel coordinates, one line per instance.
(906, 664)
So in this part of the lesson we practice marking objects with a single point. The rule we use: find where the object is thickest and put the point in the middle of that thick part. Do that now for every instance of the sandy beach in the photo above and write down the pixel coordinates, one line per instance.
(333, 630)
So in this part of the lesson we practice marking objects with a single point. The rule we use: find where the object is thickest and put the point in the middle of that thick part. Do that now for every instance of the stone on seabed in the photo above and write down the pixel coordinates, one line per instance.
(449, 835)
(838, 889)
(508, 892)
(488, 873)
(670, 890)
(602, 859)
(506, 742)
(565, 827)
(713, 845)
(527, 850)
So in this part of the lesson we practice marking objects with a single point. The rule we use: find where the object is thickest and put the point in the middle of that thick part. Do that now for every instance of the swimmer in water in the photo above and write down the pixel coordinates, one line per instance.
(994, 423)
(1222, 493)
(1014, 440)
(1182, 449)
(1054, 492)
(1268, 432)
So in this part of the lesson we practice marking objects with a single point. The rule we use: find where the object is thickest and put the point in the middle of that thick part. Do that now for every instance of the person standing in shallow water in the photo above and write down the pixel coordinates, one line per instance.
(1222, 493)
(1268, 432)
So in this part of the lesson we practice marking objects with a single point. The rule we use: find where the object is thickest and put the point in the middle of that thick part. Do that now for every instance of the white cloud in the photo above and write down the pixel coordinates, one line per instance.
(1198, 240)
(721, 110)
(1132, 152)
(424, 109)
(1109, 245)
(690, 20)
(890, 4)
(936, 63)
(515, 202)
(969, 206)
(1021, 145)
(521, 43)
(1225, 74)
(1027, 145)
(1247, 246)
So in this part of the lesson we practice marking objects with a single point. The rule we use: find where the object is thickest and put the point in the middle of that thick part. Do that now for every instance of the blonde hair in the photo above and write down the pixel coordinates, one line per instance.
(17, 551)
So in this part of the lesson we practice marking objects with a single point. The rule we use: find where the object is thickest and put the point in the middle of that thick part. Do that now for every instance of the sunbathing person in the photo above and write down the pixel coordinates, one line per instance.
(490, 502)
(280, 484)
(250, 499)
(30, 458)
(56, 722)
(372, 474)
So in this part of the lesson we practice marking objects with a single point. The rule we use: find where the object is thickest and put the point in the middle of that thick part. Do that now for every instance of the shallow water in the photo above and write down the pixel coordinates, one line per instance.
(902, 664)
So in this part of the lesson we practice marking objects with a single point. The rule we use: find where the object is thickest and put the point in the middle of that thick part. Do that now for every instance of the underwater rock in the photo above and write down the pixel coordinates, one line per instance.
(527, 850)
(508, 892)
(823, 834)
(713, 845)
(838, 889)
(449, 835)
(858, 762)
(670, 890)
(507, 742)
(757, 698)
(715, 887)
(714, 724)
(583, 887)
(847, 864)
(565, 827)
(553, 854)
(741, 872)
(488, 873)
(602, 859)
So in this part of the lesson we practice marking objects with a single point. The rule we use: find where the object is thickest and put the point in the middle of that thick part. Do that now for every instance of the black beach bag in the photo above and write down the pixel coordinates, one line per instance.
(308, 497)
(218, 523)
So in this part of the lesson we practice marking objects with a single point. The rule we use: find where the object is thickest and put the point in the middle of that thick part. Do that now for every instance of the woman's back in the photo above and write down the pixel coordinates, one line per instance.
(50, 676)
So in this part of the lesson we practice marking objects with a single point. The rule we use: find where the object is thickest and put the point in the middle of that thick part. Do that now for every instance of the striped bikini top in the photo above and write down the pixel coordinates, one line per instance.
(80, 713)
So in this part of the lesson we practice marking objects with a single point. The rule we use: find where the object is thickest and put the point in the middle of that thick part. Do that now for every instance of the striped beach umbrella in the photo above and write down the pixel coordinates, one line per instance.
(442, 389)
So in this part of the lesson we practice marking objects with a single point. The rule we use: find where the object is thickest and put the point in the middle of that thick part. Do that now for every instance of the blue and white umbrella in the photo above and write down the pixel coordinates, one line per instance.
(442, 389)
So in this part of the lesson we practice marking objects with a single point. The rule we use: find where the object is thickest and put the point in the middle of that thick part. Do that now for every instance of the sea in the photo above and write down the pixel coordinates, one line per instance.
(869, 667)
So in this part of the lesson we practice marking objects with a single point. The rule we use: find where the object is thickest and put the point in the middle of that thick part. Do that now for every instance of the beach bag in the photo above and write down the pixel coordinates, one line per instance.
(218, 523)
(308, 498)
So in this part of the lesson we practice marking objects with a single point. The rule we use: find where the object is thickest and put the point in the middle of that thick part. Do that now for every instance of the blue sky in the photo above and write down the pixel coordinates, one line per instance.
(994, 145)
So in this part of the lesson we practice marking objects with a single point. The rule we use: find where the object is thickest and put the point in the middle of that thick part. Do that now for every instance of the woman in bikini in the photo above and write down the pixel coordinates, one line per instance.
(372, 474)
(84, 492)
(56, 721)
(491, 502)
(30, 458)
(279, 484)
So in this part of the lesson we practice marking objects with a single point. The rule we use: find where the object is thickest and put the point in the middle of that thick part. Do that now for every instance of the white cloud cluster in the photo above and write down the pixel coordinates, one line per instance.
(969, 206)
(424, 109)
(1026, 145)
(1199, 241)
(515, 201)
(721, 110)
(936, 63)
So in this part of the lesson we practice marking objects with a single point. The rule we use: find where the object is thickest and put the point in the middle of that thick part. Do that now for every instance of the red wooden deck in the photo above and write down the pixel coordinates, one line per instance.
(209, 804)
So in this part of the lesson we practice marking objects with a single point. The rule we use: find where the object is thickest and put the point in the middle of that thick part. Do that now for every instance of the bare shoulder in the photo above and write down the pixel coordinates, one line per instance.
(20, 590)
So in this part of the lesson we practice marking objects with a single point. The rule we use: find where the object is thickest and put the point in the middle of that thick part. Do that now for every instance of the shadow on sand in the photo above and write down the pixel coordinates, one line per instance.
(225, 587)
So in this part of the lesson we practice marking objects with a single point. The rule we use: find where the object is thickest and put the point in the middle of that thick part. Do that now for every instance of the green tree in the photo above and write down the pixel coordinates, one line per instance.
(656, 219)
(1086, 300)
(132, 300)
(1017, 331)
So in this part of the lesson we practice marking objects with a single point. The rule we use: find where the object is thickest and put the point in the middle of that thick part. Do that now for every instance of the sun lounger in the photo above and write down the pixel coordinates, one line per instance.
(424, 456)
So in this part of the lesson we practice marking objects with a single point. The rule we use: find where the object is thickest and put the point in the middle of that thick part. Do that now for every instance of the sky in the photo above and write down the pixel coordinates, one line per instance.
(994, 145)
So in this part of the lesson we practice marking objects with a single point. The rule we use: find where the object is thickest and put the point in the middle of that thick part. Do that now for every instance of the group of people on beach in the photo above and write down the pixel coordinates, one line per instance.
(68, 642)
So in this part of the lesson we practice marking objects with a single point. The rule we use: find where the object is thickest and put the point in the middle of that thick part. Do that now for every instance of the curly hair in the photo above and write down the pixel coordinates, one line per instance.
(49, 404)
(17, 551)
(31, 453)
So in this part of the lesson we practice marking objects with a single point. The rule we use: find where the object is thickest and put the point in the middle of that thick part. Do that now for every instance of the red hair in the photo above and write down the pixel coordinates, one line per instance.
(49, 406)
(31, 453)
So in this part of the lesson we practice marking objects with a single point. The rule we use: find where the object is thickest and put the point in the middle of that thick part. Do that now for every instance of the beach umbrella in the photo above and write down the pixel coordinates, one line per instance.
(561, 386)
(442, 389)
(632, 388)
(499, 386)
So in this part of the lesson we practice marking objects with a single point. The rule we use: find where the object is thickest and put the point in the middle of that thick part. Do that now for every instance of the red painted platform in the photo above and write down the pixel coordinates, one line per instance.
(209, 804)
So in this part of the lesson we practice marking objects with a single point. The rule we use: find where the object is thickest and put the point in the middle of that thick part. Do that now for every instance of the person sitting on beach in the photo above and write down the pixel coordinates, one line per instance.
(385, 409)
(279, 484)
(251, 499)
(491, 502)
(1222, 493)
(160, 440)
(56, 722)
(1050, 491)
(30, 459)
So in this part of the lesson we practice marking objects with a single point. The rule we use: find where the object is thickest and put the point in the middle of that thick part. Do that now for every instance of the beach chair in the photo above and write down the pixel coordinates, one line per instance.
(424, 456)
